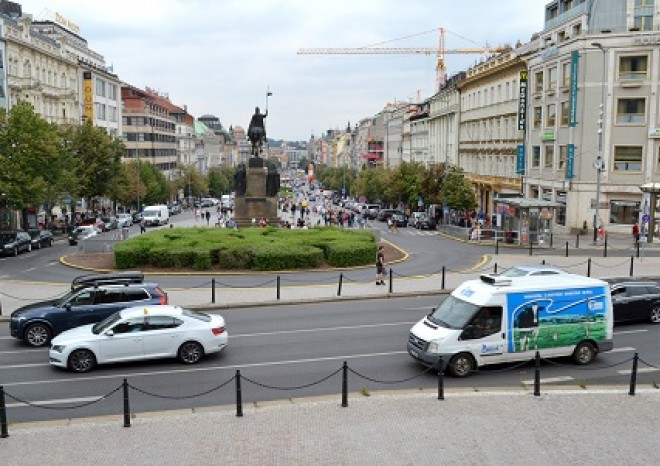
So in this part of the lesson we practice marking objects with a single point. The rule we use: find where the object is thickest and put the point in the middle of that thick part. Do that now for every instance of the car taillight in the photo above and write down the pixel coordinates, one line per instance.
(218, 331)
(163, 296)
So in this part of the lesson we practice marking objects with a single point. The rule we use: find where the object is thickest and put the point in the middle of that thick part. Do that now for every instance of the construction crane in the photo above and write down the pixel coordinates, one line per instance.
(440, 69)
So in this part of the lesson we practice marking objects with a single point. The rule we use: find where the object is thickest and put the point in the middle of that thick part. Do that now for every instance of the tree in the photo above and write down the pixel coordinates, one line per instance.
(220, 180)
(457, 193)
(406, 183)
(432, 183)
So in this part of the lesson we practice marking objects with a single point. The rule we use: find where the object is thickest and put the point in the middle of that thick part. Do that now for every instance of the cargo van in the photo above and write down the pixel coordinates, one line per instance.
(499, 319)
(156, 215)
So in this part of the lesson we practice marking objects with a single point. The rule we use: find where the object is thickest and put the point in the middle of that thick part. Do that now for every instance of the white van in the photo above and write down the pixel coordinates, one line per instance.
(500, 319)
(156, 215)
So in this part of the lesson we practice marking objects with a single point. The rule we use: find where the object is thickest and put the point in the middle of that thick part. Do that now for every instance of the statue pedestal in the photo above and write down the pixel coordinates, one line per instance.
(255, 204)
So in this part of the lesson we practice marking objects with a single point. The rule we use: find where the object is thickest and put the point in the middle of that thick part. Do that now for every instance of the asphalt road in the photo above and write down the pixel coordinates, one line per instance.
(282, 347)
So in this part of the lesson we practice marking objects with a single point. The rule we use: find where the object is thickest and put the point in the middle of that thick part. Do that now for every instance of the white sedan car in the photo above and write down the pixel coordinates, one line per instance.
(138, 333)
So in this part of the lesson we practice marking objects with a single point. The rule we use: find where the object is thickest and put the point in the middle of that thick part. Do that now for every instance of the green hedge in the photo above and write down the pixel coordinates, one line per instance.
(251, 248)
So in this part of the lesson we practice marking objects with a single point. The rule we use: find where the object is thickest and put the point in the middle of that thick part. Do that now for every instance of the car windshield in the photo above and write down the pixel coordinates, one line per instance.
(453, 313)
(8, 237)
(106, 323)
(197, 315)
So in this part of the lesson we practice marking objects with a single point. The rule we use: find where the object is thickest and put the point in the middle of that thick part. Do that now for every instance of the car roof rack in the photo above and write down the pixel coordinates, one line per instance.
(119, 278)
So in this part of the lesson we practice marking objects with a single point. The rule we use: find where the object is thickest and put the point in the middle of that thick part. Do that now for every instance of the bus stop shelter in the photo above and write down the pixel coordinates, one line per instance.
(525, 220)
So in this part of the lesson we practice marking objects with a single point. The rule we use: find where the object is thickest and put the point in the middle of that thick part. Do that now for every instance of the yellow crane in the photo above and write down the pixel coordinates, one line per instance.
(440, 51)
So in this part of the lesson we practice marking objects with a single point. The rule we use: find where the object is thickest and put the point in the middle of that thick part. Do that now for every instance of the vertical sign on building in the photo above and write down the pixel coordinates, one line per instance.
(3, 72)
(570, 161)
(88, 95)
(522, 102)
(520, 160)
(572, 117)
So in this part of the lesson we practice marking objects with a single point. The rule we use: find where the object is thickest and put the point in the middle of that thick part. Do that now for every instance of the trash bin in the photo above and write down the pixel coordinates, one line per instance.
(508, 237)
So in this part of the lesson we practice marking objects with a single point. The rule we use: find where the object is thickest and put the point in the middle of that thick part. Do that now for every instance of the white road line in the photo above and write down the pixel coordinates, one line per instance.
(621, 350)
(563, 378)
(55, 402)
(642, 369)
(624, 332)
(25, 351)
(321, 329)
(24, 366)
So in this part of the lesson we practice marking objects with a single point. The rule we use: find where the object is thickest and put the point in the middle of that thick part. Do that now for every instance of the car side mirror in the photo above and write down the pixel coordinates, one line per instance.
(67, 306)
(109, 333)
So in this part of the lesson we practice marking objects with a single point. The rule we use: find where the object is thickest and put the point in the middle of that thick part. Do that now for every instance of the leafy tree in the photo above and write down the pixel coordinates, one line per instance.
(157, 188)
(406, 183)
(220, 180)
(432, 183)
(457, 193)
(303, 163)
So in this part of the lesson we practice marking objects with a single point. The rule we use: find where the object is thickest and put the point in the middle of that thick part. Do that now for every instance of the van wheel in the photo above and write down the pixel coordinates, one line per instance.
(461, 365)
(584, 353)
(655, 315)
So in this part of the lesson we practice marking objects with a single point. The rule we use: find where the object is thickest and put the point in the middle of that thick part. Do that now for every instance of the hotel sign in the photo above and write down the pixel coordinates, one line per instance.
(88, 96)
(572, 116)
(70, 25)
(522, 102)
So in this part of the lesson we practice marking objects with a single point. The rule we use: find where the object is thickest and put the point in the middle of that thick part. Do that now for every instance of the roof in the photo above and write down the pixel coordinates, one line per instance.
(138, 311)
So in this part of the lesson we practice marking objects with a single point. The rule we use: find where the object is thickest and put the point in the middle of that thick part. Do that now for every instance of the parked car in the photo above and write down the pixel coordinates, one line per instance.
(635, 300)
(81, 233)
(372, 211)
(91, 299)
(137, 217)
(110, 223)
(175, 209)
(400, 220)
(384, 214)
(95, 222)
(125, 220)
(139, 333)
(41, 238)
(424, 222)
(13, 242)
(413, 218)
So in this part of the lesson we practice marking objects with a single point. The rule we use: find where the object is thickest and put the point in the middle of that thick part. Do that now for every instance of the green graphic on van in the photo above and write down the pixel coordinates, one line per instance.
(548, 319)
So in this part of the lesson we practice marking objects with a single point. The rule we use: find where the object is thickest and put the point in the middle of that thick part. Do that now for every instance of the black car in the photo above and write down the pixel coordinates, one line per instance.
(400, 220)
(635, 300)
(14, 242)
(41, 238)
(92, 298)
(384, 214)
(175, 209)
(137, 217)
(425, 221)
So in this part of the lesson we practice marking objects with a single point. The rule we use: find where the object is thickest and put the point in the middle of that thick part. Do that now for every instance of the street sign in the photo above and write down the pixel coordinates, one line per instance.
(646, 218)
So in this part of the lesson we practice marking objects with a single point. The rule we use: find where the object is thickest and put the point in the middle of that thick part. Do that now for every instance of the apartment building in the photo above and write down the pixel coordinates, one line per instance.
(444, 116)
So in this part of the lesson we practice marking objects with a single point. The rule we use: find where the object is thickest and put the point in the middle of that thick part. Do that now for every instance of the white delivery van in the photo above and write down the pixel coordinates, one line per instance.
(499, 319)
(156, 215)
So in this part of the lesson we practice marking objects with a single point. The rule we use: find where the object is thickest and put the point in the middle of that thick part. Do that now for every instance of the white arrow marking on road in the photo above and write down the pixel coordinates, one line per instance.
(563, 378)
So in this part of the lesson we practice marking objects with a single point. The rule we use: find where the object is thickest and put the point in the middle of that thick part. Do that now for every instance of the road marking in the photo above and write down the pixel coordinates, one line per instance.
(624, 332)
(24, 351)
(321, 329)
(621, 350)
(23, 366)
(563, 378)
(55, 402)
(639, 370)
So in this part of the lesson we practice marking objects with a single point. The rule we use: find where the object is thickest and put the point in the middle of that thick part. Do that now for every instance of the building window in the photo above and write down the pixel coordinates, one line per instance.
(657, 165)
(624, 212)
(538, 115)
(631, 111)
(644, 23)
(112, 92)
(628, 159)
(633, 67)
(566, 74)
(100, 88)
(643, 3)
(565, 110)
(538, 81)
(551, 116)
(552, 78)
(536, 156)
(563, 156)
(549, 159)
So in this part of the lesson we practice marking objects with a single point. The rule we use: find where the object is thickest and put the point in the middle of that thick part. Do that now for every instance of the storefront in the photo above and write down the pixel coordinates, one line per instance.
(525, 220)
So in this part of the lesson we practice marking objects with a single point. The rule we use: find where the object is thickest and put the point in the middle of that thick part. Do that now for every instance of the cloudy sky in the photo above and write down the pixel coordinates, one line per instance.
(221, 56)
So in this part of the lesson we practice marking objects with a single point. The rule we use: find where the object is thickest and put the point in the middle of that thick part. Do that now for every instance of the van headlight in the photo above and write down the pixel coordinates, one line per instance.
(434, 346)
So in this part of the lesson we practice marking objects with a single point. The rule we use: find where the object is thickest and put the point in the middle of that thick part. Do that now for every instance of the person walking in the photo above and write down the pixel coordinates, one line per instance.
(635, 233)
(208, 217)
(380, 266)
(142, 228)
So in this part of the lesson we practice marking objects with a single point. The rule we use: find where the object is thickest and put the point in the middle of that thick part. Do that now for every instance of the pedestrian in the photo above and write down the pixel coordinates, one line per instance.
(635, 233)
(142, 228)
(380, 266)
(208, 217)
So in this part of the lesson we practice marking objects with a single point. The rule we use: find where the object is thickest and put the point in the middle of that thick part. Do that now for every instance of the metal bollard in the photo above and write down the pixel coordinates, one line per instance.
(589, 267)
(537, 374)
(341, 279)
(4, 433)
(637, 247)
(442, 284)
(344, 385)
(390, 283)
(278, 287)
(239, 395)
(495, 268)
(127, 405)
(633, 375)
(497, 246)
(566, 248)
(577, 241)
(632, 261)
(441, 378)
(551, 239)
(213, 290)
(530, 247)
(543, 262)
(605, 248)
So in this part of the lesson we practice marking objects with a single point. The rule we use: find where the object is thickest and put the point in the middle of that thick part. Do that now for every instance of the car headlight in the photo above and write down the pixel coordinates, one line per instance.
(58, 348)
(434, 347)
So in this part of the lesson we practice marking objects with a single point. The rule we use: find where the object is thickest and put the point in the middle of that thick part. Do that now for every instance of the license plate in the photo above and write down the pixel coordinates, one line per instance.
(414, 354)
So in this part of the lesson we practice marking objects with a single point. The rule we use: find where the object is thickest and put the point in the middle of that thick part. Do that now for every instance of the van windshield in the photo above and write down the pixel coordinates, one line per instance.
(453, 313)
(151, 213)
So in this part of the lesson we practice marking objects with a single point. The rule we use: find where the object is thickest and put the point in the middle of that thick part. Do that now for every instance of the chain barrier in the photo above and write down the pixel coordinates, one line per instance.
(588, 368)
(205, 284)
(648, 364)
(627, 261)
(63, 408)
(181, 397)
(307, 280)
(390, 382)
(507, 369)
(274, 387)
(17, 298)
(258, 285)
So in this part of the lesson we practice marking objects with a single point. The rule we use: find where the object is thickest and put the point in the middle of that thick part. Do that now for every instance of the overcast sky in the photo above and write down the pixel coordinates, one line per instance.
(220, 56)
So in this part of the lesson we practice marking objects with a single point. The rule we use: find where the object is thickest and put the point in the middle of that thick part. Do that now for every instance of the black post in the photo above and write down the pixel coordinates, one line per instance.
(543, 262)
(577, 241)
(4, 433)
(566, 248)
(551, 239)
(605, 248)
(278, 288)
(632, 261)
(341, 279)
(589, 267)
(344, 385)
(127, 405)
(239, 395)
(442, 285)
(537, 374)
(633, 375)
(213, 290)
(530, 246)
(495, 268)
(441, 378)
(497, 246)
(637, 247)
(390, 283)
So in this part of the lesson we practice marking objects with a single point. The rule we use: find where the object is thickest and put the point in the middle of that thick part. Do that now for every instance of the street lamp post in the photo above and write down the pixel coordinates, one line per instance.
(598, 164)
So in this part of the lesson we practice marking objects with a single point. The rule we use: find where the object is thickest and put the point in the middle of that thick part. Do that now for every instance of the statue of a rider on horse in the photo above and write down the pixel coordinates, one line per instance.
(257, 131)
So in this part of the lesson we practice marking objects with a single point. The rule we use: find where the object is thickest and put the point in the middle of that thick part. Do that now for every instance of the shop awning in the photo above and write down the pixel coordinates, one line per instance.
(370, 156)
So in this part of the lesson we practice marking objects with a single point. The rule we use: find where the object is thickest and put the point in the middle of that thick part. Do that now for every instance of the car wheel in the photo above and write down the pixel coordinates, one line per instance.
(461, 365)
(81, 360)
(584, 353)
(190, 352)
(39, 245)
(38, 334)
(15, 251)
(655, 315)
(50, 243)
(29, 247)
